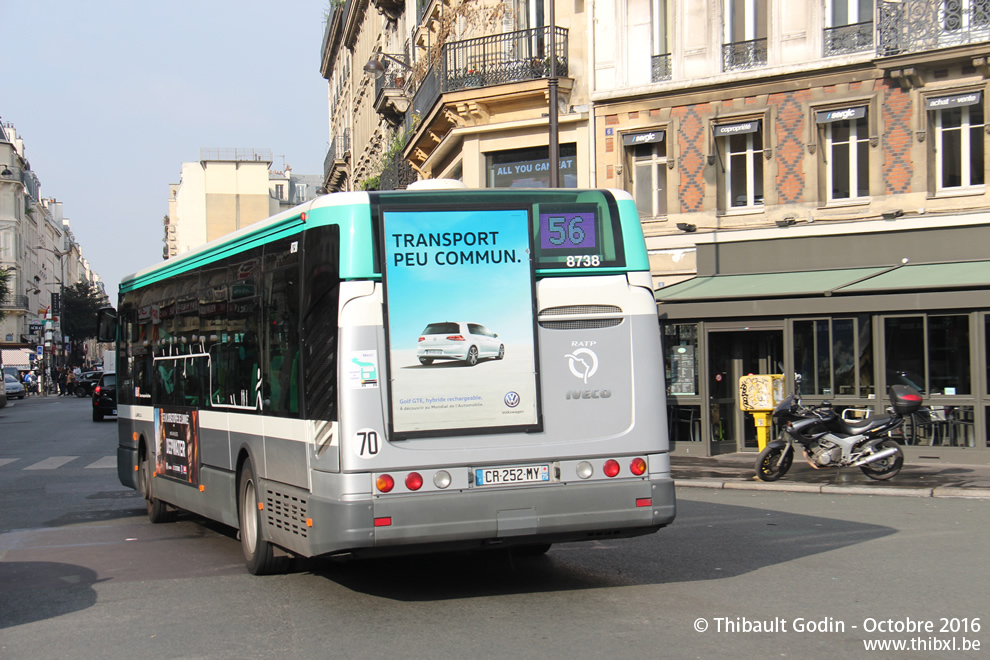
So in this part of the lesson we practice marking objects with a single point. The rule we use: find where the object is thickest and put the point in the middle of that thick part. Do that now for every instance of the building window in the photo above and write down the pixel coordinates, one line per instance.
(928, 353)
(959, 147)
(848, 26)
(647, 162)
(660, 61)
(740, 150)
(745, 34)
(530, 168)
(834, 357)
(964, 15)
(280, 191)
(847, 153)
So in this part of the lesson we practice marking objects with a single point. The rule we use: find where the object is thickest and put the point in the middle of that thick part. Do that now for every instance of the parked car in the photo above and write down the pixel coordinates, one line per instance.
(467, 342)
(105, 397)
(86, 382)
(15, 390)
(3, 392)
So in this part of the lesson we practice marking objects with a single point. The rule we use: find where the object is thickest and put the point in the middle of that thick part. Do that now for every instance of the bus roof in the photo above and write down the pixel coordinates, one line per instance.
(358, 219)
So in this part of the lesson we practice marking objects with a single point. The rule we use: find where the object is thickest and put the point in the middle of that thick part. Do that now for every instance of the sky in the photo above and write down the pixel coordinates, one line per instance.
(112, 97)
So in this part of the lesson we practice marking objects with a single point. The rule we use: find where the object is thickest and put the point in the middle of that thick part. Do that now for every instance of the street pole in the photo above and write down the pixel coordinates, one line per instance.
(552, 84)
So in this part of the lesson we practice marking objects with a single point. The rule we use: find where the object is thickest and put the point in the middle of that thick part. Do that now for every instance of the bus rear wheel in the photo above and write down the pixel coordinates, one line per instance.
(158, 511)
(259, 554)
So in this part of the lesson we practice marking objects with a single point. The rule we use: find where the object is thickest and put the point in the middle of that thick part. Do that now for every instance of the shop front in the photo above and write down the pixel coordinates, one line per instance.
(850, 321)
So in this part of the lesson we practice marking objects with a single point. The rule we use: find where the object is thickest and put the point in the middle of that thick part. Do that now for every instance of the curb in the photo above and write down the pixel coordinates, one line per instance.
(941, 491)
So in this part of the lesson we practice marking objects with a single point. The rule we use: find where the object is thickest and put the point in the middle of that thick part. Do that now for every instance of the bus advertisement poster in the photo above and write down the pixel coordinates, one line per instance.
(459, 298)
(177, 454)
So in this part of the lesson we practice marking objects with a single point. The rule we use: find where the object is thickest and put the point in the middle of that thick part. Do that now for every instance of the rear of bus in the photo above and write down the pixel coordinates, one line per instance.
(500, 377)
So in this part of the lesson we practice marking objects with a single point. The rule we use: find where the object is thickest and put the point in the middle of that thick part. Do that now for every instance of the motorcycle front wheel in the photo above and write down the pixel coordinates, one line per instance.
(771, 464)
(885, 468)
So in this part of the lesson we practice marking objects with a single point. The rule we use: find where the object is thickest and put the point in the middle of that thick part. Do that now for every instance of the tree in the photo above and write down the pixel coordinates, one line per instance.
(4, 289)
(80, 303)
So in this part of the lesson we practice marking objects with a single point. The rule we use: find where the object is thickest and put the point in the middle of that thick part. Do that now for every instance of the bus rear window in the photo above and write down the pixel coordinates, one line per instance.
(442, 329)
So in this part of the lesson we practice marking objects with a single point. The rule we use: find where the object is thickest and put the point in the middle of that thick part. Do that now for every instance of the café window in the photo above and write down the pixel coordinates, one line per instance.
(846, 155)
(530, 168)
(957, 123)
(646, 155)
(834, 357)
(739, 156)
(680, 343)
(928, 353)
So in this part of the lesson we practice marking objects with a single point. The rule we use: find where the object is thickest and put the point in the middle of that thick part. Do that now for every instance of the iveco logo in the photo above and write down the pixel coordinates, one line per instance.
(512, 399)
(589, 394)
(583, 363)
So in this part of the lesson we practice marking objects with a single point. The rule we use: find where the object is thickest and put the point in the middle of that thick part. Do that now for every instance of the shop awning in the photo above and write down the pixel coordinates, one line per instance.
(765, 285)
(16, 357)
(907, 278)
(916, 277)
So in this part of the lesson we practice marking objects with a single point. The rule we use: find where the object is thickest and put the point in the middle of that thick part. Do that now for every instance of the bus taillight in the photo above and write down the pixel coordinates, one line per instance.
(638, 466)
(414, 481)
(385, 483)
(611, 468)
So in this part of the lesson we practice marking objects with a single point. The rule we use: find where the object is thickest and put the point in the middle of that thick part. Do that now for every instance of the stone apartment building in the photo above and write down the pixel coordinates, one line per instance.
(39, 251)
(811, 178)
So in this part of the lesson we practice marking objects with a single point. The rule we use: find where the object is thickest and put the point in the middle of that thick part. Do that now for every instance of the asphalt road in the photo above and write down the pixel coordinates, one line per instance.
(84, 575)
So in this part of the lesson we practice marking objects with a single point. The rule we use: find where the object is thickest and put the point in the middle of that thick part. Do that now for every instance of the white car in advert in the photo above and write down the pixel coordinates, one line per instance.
(466, 342)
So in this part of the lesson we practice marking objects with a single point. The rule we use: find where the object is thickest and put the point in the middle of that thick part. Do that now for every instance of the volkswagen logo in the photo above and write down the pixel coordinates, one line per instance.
(512, 399)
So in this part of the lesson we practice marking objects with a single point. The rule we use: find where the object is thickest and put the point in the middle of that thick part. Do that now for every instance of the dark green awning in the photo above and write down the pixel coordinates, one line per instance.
(765, 285)
(902, 279)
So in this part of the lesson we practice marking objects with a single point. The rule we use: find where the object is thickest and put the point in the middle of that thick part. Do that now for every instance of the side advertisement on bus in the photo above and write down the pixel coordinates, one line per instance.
(462, 349)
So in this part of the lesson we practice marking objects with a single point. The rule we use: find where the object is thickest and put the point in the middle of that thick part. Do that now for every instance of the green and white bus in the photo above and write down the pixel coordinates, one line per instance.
(401, 372)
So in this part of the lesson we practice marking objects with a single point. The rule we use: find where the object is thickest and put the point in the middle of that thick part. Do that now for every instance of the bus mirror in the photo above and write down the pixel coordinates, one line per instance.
(106, 325)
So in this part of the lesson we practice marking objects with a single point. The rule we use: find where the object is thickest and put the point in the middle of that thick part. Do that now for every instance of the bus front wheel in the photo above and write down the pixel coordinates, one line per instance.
(258, 553)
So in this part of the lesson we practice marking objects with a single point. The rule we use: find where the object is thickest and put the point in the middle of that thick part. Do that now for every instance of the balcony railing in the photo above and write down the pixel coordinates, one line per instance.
(397, 174)
(911, 26)
(845, 39)
(19, 303)
(660, 67)
(396, 77)
(338, 153)
(741, 55)
(502, 58)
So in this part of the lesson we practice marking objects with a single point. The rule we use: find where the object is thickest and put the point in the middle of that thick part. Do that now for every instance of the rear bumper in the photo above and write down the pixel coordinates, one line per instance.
(500, 516)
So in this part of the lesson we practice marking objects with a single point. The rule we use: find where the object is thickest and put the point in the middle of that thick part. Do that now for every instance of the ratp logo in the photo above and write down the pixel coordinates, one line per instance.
(583, 363)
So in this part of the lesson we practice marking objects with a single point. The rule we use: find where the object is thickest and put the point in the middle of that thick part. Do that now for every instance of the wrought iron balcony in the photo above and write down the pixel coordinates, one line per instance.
(397, 174)
(911, 26)
(502, 58)
(845, 39)
(660, 67)
(335, 163)
(741, 55)
(391, 100)
(19, 303)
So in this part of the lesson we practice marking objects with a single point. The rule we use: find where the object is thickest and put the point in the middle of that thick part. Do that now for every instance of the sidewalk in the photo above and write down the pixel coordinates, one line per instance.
(737, 471)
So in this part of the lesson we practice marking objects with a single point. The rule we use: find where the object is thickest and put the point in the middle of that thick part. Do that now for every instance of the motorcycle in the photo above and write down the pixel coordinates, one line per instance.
(828, 441)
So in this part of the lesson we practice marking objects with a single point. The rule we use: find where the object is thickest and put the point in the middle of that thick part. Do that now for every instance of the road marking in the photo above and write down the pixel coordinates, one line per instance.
(105, 462)
(51, 463)
(6, 461)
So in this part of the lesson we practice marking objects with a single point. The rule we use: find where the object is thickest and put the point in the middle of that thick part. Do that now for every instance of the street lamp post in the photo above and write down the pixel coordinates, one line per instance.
(61, 254)
(552, 85)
